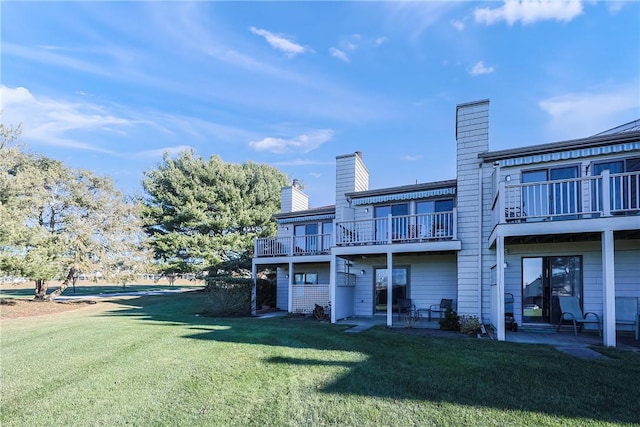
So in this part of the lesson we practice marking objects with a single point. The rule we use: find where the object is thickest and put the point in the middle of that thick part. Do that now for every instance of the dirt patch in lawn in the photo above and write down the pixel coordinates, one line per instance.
(14, 308)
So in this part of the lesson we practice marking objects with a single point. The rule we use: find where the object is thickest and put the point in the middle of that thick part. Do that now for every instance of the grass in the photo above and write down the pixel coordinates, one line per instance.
(26, 290)
(152, 361)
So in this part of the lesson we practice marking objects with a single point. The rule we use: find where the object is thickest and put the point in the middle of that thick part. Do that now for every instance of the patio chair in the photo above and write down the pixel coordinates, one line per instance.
(441, 308)
(627, 313)
(406, 308)
(571, 311)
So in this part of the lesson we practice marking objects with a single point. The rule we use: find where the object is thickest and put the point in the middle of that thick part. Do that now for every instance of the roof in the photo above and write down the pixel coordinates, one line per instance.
(627, 127)
(323, 210)
(402, 189)
(603, 139)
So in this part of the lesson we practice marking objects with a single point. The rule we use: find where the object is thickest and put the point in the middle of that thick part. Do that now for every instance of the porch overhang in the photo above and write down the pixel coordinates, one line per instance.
(581, 228)
(398, 248)
(296, 259)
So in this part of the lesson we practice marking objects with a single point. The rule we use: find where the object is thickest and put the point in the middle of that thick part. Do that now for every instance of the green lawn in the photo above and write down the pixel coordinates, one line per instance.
(27, 291)
(152, 361)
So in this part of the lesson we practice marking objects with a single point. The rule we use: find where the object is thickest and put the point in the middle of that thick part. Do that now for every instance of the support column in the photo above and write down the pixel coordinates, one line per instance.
(290, 303)
(254, 288)
(332, 287)
(608, 289)
(500, 285)
(389, 288)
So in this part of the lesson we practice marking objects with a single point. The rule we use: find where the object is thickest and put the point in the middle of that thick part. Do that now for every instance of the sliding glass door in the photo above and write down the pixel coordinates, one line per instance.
(380, 287)
(544, 279)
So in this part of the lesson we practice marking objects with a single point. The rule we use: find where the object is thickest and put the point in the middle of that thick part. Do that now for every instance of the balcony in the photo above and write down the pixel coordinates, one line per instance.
(576, 198)
(439, 226)
(397, 229)
(318, 244)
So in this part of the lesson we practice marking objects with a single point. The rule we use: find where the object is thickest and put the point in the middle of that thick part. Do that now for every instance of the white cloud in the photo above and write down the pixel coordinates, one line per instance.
(280, 42)
(337, 53)
(380, 40)
(480, 69)
(316, 175)
(89, 126)
(412, 158)
(51, 122)
(457, 24)
(301, 143)
(615, 6)
(415, 17)
(529, 11)
(582, 114)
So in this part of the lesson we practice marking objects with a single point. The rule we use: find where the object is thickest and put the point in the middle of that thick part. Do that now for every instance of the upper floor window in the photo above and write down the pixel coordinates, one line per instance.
(432, 206)
(398, 209)
(557, 194)
(616, 166)
(623, 189)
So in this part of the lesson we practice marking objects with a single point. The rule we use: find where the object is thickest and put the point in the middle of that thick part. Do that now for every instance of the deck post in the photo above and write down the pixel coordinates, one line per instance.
(500, 329)
(502, 202)
(608, 289)
(290, 303)
(606, 193)
(390, 229)
(332, 287)
(389, 288)
(455, 224)
(254, 287)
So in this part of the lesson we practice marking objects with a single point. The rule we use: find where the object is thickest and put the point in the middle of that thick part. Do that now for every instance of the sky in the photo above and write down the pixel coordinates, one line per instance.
(111, 86)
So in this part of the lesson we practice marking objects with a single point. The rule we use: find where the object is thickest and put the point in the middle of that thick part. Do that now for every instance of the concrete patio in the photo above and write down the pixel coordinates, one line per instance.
(563, 340)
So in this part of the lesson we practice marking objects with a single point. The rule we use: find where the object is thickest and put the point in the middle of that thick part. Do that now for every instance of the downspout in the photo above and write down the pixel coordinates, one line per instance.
(480, 241)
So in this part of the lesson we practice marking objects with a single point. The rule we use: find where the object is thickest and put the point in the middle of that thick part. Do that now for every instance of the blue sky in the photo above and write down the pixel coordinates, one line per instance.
(110, 86)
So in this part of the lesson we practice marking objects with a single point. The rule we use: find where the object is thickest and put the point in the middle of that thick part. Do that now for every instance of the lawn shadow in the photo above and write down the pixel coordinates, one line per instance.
(470, 372)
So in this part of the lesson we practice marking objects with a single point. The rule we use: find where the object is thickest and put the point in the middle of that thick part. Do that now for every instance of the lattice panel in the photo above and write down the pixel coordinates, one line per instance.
(305, 297)
(346, 280)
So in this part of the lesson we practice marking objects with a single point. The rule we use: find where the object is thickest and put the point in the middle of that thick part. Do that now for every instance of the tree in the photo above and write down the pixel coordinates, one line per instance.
(201, 213)
(59, 221)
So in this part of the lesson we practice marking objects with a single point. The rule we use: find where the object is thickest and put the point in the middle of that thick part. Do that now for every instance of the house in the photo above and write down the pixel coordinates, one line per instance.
(535, 223)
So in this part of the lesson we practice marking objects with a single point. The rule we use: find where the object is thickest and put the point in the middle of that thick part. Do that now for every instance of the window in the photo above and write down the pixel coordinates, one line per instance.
(434, 218)
(382, 212)
(306, 237)
(624, 189)
(327, 232)
(548, 198)
(305, 279)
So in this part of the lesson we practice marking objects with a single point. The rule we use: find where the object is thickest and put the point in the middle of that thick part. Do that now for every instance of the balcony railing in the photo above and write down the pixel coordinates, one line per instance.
(397, 229)
(576, 198)
(392, 229)
(299, 245)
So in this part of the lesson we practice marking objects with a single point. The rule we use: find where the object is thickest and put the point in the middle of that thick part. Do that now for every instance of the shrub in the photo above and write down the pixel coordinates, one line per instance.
(230, 296)
(450, 321)
(469, 324)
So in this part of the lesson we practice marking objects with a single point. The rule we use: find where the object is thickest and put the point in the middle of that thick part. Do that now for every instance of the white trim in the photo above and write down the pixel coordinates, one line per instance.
(403, 196)
(571, 154)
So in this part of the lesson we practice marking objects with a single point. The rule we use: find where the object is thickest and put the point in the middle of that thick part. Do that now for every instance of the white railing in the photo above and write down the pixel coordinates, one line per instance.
(298, 245)
(397, 229)
(575, 198)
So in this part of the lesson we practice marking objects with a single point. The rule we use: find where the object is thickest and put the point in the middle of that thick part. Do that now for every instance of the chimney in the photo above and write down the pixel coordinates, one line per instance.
(351, 175)
(293, 199)
(472, 138)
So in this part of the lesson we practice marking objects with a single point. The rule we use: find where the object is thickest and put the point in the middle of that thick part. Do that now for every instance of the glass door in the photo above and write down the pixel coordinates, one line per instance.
(380, 287)
(533, 300)
(544, 279)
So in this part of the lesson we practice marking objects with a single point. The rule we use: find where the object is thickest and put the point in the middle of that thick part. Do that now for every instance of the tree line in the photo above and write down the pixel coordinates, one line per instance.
(196, 215)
